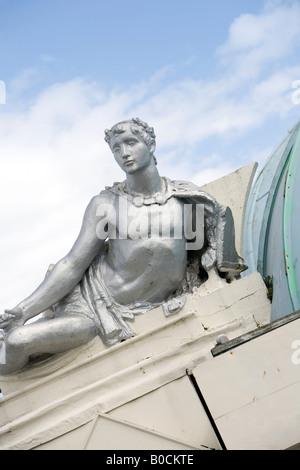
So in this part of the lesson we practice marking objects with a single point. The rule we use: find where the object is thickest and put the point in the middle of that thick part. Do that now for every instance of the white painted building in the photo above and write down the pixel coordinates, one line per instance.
(223, 373)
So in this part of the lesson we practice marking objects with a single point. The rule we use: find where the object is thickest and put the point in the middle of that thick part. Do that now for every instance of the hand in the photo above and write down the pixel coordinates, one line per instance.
(11, 318)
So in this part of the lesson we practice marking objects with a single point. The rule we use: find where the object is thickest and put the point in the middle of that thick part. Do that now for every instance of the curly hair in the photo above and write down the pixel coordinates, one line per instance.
(137, 127)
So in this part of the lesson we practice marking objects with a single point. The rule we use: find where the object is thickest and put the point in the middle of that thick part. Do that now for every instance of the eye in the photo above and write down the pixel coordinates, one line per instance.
(116, 149)
(131, 143)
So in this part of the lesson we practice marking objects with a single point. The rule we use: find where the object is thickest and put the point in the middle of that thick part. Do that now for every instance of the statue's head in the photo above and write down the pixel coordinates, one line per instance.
(138, 128)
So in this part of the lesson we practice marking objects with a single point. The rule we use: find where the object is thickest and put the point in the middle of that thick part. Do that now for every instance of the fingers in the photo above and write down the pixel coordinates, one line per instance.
(8, 311)
(6, 316)
(10, 318)
(6, 319)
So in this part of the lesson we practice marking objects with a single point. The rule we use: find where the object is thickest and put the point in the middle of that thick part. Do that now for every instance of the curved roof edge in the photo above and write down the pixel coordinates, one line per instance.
(261, 200)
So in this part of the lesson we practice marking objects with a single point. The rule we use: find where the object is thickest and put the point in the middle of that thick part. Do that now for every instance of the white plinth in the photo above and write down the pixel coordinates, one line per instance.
(136, 394)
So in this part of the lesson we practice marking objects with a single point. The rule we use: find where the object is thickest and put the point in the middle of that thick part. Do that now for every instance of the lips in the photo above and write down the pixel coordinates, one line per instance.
(128, 162)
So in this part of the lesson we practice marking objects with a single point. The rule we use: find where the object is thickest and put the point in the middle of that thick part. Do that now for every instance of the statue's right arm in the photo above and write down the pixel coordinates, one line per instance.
(67, 272)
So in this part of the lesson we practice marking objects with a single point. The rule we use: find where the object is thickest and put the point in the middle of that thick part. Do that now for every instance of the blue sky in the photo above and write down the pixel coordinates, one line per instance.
(213, 78)
(114, 42)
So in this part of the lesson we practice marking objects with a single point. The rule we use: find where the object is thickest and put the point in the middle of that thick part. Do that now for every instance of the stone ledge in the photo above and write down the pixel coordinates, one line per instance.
(64, 392)
(255, 333)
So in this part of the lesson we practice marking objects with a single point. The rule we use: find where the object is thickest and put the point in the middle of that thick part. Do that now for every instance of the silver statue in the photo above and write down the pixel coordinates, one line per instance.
(144, 242)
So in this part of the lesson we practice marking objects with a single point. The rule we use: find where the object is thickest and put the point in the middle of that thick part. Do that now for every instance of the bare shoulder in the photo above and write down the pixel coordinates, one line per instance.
(88, 241)
(99, 200)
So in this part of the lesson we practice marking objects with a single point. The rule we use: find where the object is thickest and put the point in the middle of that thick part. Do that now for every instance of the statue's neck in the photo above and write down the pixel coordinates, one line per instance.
(146, 182)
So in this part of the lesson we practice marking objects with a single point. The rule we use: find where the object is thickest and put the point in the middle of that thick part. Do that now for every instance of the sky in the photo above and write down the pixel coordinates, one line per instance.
(215, 79)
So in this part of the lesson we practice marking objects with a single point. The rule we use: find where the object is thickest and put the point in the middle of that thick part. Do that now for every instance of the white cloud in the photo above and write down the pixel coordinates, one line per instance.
(54, 158)
(255, 41)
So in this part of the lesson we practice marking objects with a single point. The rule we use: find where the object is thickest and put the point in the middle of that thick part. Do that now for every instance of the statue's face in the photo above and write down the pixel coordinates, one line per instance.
(130, 151)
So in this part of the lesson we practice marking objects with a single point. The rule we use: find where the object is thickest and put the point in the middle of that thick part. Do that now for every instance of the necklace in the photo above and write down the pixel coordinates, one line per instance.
(138, 200)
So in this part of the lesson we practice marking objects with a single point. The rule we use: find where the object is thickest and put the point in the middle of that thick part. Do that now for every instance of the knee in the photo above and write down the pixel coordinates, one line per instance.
(14, 357)
(16, 339)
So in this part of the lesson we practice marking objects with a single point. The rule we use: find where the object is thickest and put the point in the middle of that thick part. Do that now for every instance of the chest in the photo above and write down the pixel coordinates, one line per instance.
(153, 220)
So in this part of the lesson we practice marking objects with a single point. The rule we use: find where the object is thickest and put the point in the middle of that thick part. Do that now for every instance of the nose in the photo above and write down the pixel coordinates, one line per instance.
(125, 153)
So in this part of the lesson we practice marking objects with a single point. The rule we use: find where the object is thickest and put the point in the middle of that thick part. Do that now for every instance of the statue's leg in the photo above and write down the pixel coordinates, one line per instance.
(47, 335)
